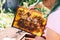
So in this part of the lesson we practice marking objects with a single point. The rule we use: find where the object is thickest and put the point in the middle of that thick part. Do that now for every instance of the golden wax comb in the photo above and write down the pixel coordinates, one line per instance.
(29, 20)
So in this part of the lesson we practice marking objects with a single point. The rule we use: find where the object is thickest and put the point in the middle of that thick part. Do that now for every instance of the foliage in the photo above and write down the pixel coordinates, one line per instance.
(6, 18)
(29, 2)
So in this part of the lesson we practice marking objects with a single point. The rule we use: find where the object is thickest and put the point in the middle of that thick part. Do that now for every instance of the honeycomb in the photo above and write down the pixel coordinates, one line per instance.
(30, 21)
